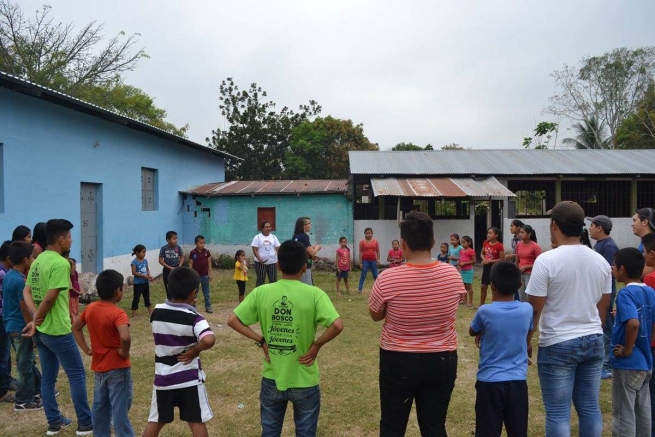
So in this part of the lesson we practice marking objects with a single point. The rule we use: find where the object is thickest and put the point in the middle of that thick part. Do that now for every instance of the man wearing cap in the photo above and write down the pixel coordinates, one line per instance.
(569, 291)
(599, 230)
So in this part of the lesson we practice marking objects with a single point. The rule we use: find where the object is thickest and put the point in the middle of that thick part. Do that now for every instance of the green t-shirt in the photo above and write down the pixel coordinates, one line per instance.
(288, 312)
(51, 271)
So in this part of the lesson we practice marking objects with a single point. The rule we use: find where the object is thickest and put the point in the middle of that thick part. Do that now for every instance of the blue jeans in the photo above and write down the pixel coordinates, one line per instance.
(28, 376)
(273, 405)
(5, 359)
(367, 265)
(571, 370)
(204, 283)
(112, 399)
(53, 350)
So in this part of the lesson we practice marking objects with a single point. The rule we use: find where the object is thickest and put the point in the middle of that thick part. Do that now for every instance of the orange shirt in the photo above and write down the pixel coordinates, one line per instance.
(102, 320)
(420, 303)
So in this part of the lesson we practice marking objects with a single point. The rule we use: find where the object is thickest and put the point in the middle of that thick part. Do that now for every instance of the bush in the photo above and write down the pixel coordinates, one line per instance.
(224, 262)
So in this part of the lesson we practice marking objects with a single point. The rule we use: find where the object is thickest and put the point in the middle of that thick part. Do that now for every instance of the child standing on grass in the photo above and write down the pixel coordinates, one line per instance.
(240, 272)
(501, 330)
(170, 256)
(632, 361)
(395, 255)
(369, 257)
(343, 264)
(453, 250)
(443, 255)
(200, 260)
(142, 278)
(109, 332)
(75, 291)
(527, 252)
(492, 252)
(181, 333)
(466, 262)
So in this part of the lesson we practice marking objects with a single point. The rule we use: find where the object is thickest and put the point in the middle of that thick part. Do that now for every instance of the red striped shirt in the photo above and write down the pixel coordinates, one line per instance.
(420, 303)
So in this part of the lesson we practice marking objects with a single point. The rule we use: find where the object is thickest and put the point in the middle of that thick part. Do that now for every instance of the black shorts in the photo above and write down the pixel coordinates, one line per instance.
(342, 274)
(501, 402)
(192, 402)
(486, 274)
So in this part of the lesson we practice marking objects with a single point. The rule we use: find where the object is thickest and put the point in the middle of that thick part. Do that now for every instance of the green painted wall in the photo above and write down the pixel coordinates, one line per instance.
(233, 219)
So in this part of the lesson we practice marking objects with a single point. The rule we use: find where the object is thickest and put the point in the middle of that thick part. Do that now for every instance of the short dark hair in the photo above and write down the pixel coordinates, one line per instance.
(56, 228)
(262, 224)
(648, 241)
(107, 282)
(170, 234)
(38, 235)
(417, 231)
(292, 256)
(18, 251)
(20, 233)
(182, 281)
(506, 277)
(632, 260)
(198, 238)
(4, 250)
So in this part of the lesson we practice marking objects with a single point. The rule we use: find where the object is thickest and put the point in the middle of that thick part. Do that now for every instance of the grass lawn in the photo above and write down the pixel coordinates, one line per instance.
(349, 374)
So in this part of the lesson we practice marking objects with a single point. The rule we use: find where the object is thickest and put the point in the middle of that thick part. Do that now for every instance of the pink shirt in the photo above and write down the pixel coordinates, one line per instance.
(343, 256)
(396, 256)
(466, 255)
(527, 253)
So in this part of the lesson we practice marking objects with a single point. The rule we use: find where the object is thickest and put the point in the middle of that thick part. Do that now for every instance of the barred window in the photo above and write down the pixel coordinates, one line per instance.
(533, 198)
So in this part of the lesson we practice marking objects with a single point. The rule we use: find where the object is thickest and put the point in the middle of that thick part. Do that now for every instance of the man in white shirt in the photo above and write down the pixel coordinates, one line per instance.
(569, 291)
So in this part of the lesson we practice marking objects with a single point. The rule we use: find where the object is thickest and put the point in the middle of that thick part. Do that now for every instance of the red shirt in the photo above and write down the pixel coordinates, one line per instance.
(527, 253)
(369, 250)
(103, 320)
(200, 261)
(396, 256)
(466, 255)
(492, 251)
(420, 303)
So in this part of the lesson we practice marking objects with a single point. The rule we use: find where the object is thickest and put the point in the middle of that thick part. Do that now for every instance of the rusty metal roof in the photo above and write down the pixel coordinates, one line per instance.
(440, 187)
(506, 162)
(250, 188)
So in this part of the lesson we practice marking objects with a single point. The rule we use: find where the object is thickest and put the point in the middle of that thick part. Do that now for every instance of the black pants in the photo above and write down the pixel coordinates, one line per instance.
(242, 287)
(264, 270)
(428, 378)
(141, 290)
(165, 274)
(499, 402)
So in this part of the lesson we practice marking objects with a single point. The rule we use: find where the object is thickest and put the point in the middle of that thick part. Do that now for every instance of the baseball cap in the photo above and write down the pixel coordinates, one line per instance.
(568, 212)
(603, 221)
(647, 214)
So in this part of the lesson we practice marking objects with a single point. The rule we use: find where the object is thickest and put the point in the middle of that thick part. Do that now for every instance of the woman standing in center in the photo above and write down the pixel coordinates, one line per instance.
(369, 257)
(265, 246)
(304, 225)
(418, 345)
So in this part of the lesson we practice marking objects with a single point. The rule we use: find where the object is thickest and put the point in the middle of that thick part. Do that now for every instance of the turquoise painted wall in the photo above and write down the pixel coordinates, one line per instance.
(232, 220)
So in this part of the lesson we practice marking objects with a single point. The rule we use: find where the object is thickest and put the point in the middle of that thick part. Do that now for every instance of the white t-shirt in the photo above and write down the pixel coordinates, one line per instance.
(266, 246)
(573, 279)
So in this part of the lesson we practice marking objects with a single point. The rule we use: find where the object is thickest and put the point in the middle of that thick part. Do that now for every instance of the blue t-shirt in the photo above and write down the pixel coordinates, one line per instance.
(503, 346)
(442, 258)
(607, 248)
(454, 251)
(3, 272)
(171, 254)
(142, 269)
(635, 301)
(13, 286)
(304, 239)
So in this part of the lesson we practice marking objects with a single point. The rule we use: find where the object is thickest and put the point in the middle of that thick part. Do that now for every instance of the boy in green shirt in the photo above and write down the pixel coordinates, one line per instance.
(288, 312)
(47, 286)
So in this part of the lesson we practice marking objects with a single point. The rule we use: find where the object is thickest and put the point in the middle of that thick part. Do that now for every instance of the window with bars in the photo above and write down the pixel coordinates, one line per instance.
(645, 194)
(148, 189)
(610, 198)
(533, 198)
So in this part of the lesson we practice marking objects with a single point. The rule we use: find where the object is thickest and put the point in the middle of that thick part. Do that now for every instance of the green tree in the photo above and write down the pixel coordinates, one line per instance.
(79, 64)
(637, 131)
(607, 87)
(408, 147)
(543, 133)
(454, 146)
(319, 148)
(256, 132)
(589, 135)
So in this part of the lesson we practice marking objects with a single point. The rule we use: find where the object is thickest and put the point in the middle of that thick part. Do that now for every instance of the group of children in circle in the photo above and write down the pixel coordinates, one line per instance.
(460, 253)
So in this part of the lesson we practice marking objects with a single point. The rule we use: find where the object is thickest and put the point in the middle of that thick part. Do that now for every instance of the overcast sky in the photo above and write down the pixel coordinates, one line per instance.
(469, 72)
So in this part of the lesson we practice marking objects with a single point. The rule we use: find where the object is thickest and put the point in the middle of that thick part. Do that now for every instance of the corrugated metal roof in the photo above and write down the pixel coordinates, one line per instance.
(504, 162)
(440, 187)
(248, 188)
(35, 90)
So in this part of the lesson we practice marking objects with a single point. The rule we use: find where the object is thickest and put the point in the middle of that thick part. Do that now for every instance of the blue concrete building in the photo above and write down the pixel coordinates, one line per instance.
(116, 179)
(228, 214)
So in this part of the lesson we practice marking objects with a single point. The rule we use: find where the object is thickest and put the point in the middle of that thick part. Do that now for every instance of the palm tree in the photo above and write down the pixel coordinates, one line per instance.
(590, 135)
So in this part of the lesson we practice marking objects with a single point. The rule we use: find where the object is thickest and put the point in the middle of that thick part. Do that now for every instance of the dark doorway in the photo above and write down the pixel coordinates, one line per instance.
(481, 207)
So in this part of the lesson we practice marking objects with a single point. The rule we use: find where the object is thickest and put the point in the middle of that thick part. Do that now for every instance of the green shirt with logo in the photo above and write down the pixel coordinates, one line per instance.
(288, 312)
(51, 271)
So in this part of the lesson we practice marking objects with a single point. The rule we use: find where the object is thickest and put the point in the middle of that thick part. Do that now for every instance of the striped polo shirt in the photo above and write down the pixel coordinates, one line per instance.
(177, 327)
(420, 303)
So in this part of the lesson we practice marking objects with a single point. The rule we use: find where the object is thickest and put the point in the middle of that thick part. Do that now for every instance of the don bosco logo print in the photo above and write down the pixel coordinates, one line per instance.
(283, 332)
